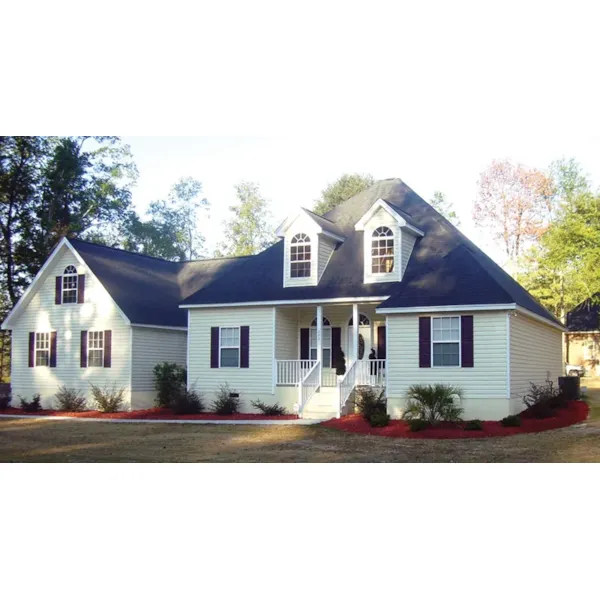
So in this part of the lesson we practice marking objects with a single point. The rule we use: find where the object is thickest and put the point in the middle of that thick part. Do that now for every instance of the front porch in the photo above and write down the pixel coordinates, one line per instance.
(308, 342)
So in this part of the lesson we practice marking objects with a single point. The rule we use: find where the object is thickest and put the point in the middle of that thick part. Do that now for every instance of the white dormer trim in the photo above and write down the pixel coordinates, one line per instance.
(382, 204)
(285, 226)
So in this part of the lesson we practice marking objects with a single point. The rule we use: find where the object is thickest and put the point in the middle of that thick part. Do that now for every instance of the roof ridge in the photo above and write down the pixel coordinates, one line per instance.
(319, 216)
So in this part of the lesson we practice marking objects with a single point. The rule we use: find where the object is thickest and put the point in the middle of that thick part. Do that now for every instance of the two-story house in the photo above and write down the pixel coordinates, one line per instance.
(383, 278)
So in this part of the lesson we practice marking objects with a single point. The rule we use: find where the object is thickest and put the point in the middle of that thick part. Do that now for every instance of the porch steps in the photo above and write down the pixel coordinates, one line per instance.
(322, 405)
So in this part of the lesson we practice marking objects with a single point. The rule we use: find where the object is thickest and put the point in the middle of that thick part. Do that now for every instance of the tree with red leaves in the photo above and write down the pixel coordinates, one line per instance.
(514, 204)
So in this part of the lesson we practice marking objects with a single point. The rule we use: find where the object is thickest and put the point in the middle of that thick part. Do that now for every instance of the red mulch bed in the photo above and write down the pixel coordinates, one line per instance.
(576, 412)
(151, 414)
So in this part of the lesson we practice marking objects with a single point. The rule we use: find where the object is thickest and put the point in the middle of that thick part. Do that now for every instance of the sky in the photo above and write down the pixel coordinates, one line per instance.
(292, 171)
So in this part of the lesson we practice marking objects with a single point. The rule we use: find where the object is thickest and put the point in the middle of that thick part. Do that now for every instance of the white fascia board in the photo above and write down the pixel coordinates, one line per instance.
(159, 327)
(447, 308)
(365, 299)
(360, 226)
(333, 236)
(33, 286)
(536, 317)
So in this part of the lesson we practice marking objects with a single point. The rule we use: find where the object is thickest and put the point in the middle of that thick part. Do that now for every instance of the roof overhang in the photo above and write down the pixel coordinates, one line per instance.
(305, 302)
(462, 308)
(38, 280)
(383, 205)
(284, 227)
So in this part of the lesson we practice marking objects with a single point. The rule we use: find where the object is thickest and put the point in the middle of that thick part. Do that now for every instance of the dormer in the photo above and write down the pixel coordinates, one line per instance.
(389, 239)
(309, 242)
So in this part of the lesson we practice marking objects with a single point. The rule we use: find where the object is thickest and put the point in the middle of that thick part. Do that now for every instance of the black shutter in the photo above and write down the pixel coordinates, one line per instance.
(53, 350)
(305, 344)
(107, 349)
(31, 350)
(381, 343)
(425, 342)
(467, 343)
(80, 289)
(336, 344)
(214, 347)
(58, 291)
(84, 350)
(245, 348)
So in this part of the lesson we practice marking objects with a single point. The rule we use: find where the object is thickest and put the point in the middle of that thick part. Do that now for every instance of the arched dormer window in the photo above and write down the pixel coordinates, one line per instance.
(382, 253)
(69, 285)
(300, 257)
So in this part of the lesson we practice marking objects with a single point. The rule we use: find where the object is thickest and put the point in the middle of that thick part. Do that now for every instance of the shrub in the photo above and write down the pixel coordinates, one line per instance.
(474, 425)
(31, 407)
(187, 402)
(512, 421)
(270, 410)
(379, 419)
(340, 363)
(370, 402)
(108, 400)
(433, 403)
(70, 400)
(227, 402)
(169, 381)
(5, 400)
(418, 425)
(541, 400)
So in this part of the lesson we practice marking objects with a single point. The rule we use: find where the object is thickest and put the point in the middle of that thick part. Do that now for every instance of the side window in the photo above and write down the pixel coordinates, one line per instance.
(69, 285)
(229, 347)
(95, 348)
(445, 341)
(42, 349)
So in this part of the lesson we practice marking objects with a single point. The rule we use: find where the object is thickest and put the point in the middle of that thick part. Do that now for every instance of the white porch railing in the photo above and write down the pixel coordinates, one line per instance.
(345, 388)
(292, 372)
(371, 372)
(308, 387)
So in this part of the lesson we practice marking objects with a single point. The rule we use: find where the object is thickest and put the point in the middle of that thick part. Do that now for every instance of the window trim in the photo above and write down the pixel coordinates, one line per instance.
(306, 242)
(360, 316)
(90, 349)
(75, 289)
(459, 342)
(391, 236)
(239, 346)
(48, 350)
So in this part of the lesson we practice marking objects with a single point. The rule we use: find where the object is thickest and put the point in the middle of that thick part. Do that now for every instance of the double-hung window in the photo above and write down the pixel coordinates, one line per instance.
(69, 286)
(95, 348)
(445, 341)
(229, 349)
(42, 350)
(326, 342)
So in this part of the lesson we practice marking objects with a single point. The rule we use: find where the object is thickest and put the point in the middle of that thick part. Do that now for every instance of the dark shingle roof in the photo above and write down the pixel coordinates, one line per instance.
(326, 224)
(149, 290)
(586, 316)
(445, 268)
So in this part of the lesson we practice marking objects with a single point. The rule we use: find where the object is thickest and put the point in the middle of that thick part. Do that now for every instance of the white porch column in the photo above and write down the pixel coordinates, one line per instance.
(320, 342)
(355, 330)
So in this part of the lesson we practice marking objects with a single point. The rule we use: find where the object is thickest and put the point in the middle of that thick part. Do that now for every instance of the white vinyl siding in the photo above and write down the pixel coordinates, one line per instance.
(253, 383)
(408, 244)
(99, 313)
(382, 219)
(326, 248)
(485, 386)
(286, 339)
(536, 352)
(152, 347)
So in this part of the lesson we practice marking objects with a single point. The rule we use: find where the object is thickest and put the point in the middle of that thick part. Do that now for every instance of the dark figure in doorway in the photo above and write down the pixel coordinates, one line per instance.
(373, 356)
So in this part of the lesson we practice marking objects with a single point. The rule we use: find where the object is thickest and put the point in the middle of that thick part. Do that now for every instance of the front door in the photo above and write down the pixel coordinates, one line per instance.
(365, 343)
